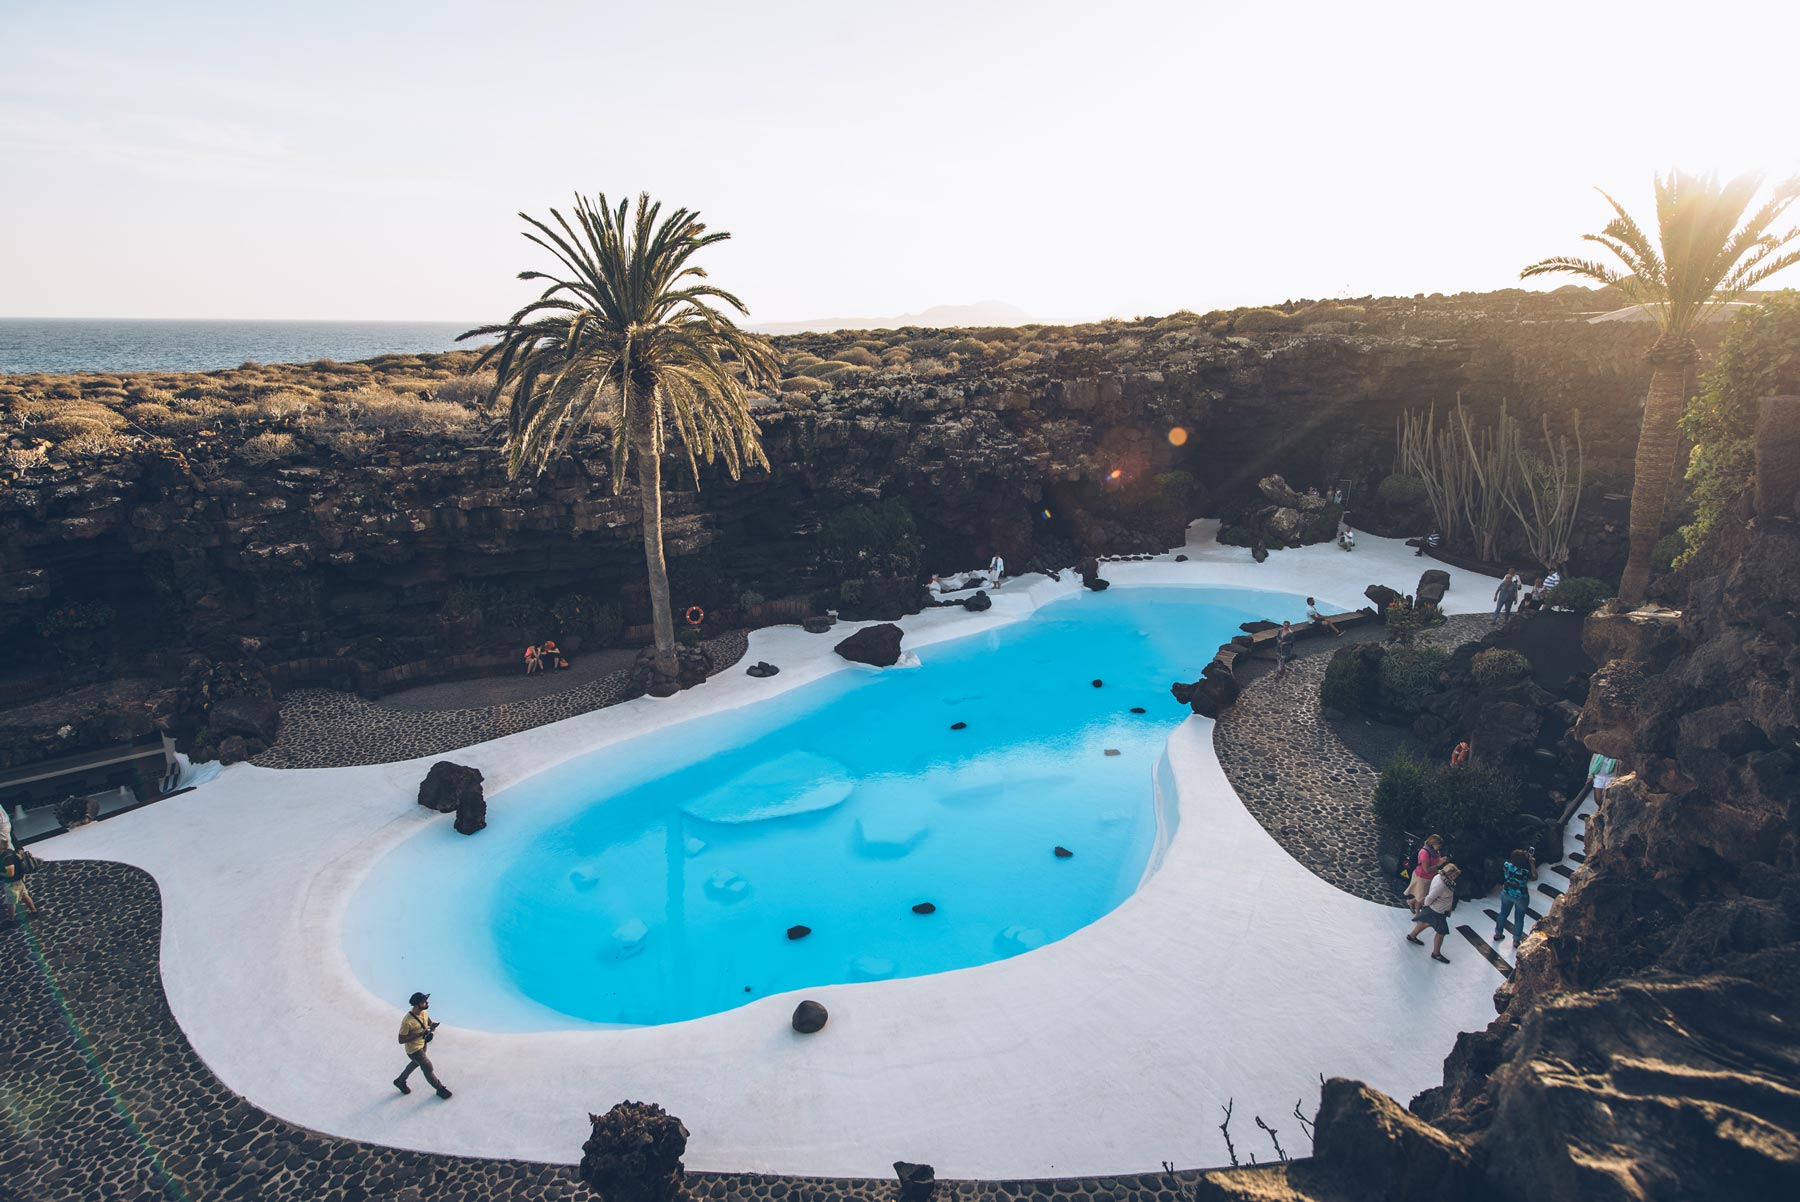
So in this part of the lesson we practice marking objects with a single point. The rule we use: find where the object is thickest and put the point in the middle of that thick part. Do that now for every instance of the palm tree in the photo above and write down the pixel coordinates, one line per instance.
(626, 337)
(1705, 254)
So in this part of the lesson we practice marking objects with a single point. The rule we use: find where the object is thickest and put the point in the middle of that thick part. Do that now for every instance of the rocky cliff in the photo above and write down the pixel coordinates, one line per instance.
(1648, 1045)
(351, 513)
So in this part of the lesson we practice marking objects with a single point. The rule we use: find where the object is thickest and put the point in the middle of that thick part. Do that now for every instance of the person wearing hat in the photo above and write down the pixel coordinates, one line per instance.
(415, 1032)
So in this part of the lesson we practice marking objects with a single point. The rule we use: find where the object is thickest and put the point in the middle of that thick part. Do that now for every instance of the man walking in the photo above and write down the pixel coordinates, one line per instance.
(1284, 647)
(415, 1032)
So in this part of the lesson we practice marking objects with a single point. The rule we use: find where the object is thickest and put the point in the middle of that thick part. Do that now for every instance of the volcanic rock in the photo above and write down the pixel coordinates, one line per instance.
(810, 1017)
(878, 646)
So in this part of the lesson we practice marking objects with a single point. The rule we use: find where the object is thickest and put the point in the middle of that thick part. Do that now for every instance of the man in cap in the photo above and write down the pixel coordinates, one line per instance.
(415, 1032)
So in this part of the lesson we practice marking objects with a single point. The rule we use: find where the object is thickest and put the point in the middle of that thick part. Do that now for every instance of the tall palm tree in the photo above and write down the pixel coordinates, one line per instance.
(1705, 254)
(626, 336)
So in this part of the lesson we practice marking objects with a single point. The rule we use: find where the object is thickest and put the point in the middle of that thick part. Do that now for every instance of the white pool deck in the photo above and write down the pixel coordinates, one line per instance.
(1234, 973)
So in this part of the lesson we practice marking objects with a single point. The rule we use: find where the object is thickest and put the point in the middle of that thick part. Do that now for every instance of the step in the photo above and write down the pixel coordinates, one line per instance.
(1548, 891)
(1562, 870)
(1578, 857)
(1486, 949)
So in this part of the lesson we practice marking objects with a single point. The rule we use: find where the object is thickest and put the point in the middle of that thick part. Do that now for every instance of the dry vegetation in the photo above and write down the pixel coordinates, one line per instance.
(259, 414)
(262, 414)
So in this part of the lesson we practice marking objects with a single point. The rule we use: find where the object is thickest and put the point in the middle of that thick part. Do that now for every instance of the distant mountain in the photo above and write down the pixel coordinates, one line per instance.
(938, 317)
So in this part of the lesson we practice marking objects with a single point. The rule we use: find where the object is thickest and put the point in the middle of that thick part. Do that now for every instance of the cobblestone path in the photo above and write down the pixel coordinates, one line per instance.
(1307, 787)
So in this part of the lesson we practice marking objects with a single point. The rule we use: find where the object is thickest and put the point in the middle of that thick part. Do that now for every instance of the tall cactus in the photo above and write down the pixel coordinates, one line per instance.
(1544, 493)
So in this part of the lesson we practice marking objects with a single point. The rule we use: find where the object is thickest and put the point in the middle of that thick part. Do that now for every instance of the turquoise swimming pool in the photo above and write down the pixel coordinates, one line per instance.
(656, 880)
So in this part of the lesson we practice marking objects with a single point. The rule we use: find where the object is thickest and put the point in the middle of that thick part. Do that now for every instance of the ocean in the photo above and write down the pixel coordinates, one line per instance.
(30, 344)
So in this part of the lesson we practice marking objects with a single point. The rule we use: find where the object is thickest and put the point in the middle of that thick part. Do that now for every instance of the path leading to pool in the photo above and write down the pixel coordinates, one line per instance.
(1234, 973)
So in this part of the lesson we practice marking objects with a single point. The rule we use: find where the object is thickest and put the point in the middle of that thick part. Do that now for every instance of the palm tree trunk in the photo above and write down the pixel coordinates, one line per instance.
(649, 474)
(1658, 441)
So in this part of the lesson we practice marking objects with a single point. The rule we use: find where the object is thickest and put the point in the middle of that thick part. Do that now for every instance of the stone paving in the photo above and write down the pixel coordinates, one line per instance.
(323, 728)
(102, 1098)
(1308, 787)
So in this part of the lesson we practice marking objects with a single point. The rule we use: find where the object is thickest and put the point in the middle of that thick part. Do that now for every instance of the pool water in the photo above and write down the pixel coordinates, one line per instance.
(656, 880)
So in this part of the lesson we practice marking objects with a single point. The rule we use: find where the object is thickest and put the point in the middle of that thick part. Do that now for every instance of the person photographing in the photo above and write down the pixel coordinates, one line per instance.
(416, 1031)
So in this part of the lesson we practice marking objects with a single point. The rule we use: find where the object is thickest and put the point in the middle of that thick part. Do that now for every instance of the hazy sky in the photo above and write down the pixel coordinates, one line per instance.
(367, 160)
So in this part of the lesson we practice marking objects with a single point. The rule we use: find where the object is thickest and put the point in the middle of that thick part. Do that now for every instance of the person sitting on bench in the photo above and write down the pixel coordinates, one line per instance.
(1313, 614)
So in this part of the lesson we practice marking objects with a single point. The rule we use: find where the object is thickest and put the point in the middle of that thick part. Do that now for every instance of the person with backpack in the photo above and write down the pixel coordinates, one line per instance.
(1431, 857)
(1520, 867)
(14, 865)
(417, 1030)
(1435, 913)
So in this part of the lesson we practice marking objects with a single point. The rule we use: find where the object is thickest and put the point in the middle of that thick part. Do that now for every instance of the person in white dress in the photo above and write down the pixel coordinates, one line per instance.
(996, 569)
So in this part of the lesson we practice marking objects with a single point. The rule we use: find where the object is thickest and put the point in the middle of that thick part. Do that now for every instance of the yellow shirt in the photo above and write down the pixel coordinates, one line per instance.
(415, 1025)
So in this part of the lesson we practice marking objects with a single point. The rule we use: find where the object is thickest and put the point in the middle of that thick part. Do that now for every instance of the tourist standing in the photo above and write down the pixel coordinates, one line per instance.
(1284, 646)
(1553, 579)
(1440, 899)
(996, 569)
(13, 870)
(1506, 594)
(416, 1030)
(1520, 867)
(1601, 770)
(1425, 866)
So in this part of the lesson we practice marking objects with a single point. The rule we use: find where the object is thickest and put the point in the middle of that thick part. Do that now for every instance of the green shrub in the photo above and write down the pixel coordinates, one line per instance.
(1401, 492)
(1470, 800)
(1668, 549)
(859, 357)
(1580, 594)
(803, 385)
(1349, 686)
(579, 614)
(1498, 666)
(1407, 675)
(864, 540)
(1400, 794)
(750, 599)
(688, 636)
(1322, 526)
(1403, 625)
(1757, 359)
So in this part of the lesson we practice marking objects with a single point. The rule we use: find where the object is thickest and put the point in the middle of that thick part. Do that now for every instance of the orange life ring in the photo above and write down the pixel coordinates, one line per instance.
(695, 615)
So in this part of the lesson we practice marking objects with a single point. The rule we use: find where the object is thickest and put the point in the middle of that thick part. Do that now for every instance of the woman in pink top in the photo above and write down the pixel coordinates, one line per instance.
(1431, 856)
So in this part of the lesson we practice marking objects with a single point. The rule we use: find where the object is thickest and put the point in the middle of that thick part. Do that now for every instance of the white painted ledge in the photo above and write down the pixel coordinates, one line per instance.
(1233, 973)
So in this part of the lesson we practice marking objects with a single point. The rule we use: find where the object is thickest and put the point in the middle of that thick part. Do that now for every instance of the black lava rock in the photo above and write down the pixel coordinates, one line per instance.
(917, 1181)
(877, 646)
(1138, 709)
(924, 908)
(761, 668)
(978, 603)
(1099, 683)
(798, 932)
(810, 1017)
(1063, 853)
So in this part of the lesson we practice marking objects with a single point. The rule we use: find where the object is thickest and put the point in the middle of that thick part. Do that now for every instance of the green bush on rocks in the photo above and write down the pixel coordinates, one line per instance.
(1470, 803)
(1581, 594)
(1407, 675)
(1498, 666)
